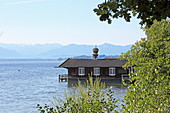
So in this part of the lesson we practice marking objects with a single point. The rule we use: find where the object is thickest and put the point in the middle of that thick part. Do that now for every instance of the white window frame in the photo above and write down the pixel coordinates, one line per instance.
(96, 69)
(81, 71)
(112, 71)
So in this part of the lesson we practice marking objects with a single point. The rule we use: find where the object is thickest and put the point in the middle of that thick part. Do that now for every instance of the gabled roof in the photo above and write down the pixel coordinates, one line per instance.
(114, 62)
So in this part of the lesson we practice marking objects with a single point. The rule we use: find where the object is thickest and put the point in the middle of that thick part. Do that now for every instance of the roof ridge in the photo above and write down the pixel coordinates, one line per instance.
(63, 62)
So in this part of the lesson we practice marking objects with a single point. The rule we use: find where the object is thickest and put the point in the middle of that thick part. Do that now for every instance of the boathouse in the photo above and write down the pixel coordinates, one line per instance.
(109, 68)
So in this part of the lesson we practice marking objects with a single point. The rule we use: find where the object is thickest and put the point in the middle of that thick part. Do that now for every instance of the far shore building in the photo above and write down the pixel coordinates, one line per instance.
(109, 69)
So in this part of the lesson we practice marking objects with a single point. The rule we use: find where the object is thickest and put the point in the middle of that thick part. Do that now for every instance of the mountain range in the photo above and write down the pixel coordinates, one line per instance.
(56, 50)
(6, 53)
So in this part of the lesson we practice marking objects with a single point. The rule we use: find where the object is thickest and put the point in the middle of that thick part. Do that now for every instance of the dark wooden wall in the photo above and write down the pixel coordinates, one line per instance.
(103, 71)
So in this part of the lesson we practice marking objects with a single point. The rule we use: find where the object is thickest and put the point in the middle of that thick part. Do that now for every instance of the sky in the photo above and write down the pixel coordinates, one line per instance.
(62, 21)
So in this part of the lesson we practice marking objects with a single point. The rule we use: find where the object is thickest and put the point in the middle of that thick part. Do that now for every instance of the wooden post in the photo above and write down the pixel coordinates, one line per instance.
(59, 78)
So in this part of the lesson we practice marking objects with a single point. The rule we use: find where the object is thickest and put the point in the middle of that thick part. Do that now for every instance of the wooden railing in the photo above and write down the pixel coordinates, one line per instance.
(125, 78)
(63, 77)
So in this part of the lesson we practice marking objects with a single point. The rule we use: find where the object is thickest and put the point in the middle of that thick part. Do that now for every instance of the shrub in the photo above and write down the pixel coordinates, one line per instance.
(91, 98)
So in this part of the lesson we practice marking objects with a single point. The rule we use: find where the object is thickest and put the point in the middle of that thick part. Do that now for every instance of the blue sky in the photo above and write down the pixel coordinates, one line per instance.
(62, 21)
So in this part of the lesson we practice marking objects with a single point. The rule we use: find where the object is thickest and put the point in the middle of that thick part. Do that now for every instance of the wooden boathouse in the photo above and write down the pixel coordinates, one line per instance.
(107, 69)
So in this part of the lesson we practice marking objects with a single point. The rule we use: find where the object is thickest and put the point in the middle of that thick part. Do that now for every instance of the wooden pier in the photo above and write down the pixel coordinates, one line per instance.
(62, 78)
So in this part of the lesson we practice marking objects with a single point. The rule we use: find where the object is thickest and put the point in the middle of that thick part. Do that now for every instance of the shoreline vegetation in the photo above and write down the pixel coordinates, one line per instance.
(90, 97)
(148, 94)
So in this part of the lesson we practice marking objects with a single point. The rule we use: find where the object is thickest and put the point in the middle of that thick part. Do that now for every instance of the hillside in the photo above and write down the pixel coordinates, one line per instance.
(27, 50)
(6, 53)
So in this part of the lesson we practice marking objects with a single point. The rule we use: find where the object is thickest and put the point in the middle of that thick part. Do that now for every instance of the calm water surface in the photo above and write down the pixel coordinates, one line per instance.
(25, 83)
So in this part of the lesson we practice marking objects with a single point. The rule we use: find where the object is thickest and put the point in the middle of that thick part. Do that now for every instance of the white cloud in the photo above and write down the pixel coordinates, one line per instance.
(25, 2)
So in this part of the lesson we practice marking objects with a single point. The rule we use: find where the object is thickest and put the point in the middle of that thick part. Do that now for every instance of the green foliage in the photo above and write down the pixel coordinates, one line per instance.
(46, 109)
(146, 10)
(150, 57)
(91, 98)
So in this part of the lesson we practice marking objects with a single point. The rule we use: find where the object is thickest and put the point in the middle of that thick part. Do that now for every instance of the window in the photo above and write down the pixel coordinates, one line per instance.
(96, 71)
(112, 71)
(81, 71)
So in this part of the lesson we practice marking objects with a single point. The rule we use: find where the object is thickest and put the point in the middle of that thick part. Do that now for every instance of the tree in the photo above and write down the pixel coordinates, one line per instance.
(150, 58)
(146, 10)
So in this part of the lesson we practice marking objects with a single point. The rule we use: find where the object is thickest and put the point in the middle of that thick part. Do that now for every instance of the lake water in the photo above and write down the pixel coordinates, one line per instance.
(24, 83)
